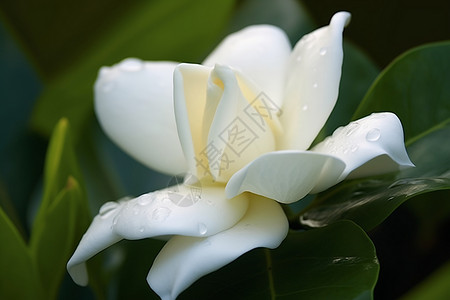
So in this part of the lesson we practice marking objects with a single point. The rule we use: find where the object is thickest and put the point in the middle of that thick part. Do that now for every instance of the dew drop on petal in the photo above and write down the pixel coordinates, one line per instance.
(116, 219)
(202, 229)
(131, 65)
(345, 150)
(145, 199)
(354, 148)
(141, 229)
(351, 128)
(160, 214)
(373, 135)
(323, 51)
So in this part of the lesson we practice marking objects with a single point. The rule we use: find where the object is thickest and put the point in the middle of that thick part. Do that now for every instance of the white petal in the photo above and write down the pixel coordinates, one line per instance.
(134, 104)
(183, 260)
(190, 87)
(368, 146)
(286, 176)
(260, 52)
(190, 210)
(99, 236)
(313, 83)
(240, 122)
(184, 210)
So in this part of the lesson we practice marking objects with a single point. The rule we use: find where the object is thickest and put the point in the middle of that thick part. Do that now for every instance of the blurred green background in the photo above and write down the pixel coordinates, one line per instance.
(50, 52)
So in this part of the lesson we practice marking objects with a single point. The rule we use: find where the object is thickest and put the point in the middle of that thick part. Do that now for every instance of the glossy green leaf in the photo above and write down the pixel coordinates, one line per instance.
(18, 276)
(150, 31)
(415, 87)
(337, 260)
(406, 87)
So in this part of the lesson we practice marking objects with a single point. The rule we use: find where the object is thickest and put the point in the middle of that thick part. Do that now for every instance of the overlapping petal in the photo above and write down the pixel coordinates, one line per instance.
(312, 84)
(134, 104)
(286, 176)
(245, 51)
(179, 210)
(183, 260)
(190, 87)
(368, 146)
(228, 118)
(238, 133)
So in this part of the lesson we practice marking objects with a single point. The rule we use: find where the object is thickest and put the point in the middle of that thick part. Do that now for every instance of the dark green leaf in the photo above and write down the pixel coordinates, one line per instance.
(18, 276)
(150, 31)
(51, 31)
(415, 86)
(337, 260)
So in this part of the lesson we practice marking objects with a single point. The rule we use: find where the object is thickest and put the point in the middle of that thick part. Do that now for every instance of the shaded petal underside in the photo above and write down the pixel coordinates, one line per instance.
(369, 146)
(286, 176)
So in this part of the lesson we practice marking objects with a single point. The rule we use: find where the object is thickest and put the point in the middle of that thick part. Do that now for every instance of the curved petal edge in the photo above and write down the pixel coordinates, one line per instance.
(312, 84)
(134, 105)
(183, 260)
(369, 146)
(286, 176)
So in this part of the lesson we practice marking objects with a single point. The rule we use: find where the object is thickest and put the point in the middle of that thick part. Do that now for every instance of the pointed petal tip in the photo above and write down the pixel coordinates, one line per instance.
(372, 145)
(340, 19)
(78, 272)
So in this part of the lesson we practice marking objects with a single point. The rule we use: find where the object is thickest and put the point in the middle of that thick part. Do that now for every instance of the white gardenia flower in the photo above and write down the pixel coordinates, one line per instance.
(240, 125)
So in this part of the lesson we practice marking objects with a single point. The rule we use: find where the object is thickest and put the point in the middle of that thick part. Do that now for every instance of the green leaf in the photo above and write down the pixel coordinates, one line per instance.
(415, 87)
(150, 31)
(337, 260)
(434, 287)
(60, 163)
(369, 201)
(18, 276)
(56, 238)
(63, 215)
